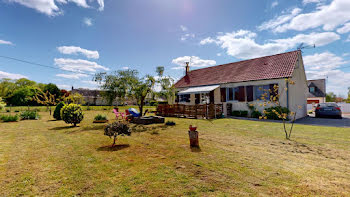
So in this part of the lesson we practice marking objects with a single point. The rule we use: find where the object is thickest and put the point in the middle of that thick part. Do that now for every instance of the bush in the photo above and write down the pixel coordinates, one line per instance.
(29, 115)
(72, 114)
(57, 112)
(100, 117)
(256, 114)
(170, 123)
(273, 116)
(239, 113)
(8, 110)
(117, 128)
(9, 118)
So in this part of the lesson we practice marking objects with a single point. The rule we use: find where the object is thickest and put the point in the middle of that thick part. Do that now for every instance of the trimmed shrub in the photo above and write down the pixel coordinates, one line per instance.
(256, 114)
(117, 128)
(100, 117)
(239, 113)
(72, 114)
(272, 115)
(57, 112)
(29, 115)
(9, 118)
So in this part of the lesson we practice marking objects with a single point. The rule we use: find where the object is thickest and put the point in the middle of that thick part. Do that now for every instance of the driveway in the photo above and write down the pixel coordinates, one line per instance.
(311, 120)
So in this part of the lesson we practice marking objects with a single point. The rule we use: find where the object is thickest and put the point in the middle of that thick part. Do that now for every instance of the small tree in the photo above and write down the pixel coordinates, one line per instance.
(276, 108)
(117, 128)
(72, 114)
(166, 84)
(57, 112)
(75, 98)
(45, 98)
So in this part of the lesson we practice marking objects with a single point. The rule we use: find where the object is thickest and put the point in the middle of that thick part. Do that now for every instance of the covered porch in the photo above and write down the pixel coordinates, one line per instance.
(204, 111)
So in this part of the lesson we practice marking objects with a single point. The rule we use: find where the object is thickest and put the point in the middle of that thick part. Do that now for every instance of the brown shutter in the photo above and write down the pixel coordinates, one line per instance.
(273, 93)
(250, 93)
(241, 94)
(223, 94)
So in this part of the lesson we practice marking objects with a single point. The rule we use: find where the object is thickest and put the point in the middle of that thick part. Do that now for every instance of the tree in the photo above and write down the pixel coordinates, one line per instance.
(23, 82)
(330, 97)
(45, 98)
(53, 89)
(75, 98)
(116, 128)
(72, 114)
(2, 104)
(7, 86)
(271, 98)
(23, 96)
(141, 89)
(166, 84)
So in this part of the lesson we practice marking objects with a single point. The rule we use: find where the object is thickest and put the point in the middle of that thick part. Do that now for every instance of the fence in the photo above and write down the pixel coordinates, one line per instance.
(345, 107)
(208, 111)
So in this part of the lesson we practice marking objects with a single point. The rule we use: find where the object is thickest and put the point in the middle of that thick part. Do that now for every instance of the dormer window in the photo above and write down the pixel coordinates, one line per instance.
(312, 89)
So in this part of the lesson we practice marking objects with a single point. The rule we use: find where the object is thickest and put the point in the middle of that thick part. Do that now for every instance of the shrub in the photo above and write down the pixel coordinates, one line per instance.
(117, 128)
(170, 123)
(270, 112)
(57, 112)
(9, 118)
(29, 115)
(100, 117)
(239, 113)
(72, 114)
(8, 110)
(16, 110)
(256, 114)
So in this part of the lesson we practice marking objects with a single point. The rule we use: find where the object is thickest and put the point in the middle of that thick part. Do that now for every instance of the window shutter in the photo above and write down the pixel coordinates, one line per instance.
(273, 93)
(223, 94)
(250, 93)
(241, 94)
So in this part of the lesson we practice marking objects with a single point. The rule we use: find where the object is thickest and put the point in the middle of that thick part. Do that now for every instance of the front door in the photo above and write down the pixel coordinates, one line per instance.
(211, 97)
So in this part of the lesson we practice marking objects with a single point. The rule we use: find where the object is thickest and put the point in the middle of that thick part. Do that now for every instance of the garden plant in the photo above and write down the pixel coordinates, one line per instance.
(117, 128)
(72, 114)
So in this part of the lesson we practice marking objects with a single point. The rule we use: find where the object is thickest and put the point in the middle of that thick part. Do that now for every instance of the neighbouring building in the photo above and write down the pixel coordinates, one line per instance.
(317, 91)
(92, 97)
(237, 84)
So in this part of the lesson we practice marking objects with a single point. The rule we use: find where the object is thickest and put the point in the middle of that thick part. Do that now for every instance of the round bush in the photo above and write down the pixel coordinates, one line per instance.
(72, 114)
(57, 112)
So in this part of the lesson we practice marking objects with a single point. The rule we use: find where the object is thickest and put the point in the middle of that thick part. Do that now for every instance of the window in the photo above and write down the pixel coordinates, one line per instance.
(235, 94)
(312, 89)
(230, 96)
(259, 91)
(185, 98)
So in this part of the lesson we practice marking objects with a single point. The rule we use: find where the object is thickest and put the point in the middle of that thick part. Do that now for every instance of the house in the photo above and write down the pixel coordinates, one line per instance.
(237, 84)
(317, 91)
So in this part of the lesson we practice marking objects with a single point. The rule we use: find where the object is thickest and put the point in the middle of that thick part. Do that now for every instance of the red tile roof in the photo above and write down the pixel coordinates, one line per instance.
(269, 67)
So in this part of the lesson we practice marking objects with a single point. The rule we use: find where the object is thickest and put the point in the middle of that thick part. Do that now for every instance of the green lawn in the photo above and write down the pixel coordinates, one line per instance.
(237, 157)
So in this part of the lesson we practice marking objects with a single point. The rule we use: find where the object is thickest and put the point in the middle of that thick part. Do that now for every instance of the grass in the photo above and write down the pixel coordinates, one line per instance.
(237, 157)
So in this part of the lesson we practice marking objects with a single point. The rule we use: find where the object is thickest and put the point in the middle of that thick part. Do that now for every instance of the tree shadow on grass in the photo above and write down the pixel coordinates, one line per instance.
(138, 128)
(93, 127)
(196, 149)
(113, 148)
(62, 128)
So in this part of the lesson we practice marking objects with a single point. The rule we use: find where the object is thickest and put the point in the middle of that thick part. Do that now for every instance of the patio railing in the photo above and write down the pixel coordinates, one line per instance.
(208, 111)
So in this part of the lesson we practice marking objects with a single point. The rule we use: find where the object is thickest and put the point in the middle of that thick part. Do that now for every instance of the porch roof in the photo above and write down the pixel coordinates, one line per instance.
(199, 89)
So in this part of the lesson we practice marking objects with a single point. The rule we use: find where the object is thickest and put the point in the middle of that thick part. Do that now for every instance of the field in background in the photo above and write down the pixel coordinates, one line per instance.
(237, 157)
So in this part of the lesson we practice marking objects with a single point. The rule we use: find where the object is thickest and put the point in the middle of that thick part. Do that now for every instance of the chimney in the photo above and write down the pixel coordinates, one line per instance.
(187, 68)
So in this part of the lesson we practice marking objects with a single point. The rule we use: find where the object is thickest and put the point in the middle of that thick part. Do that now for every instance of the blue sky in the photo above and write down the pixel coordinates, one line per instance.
(87, 36)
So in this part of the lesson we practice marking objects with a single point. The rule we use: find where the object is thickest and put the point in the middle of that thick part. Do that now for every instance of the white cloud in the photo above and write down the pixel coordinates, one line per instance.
(344, 29)
(87, 21)
(326, 16)
(102, 5)
(6, 42)
(72, 76)
(62, 86)
(326, 64)
(218, 54)
(78, 65)
(312, 1)
(73, 50)
(322, 61)
(194, 62)
(274, 4)
(278, 20)
(183, 28)
(94, 83)
(187, 36)
(10, 75)
(125, 68)
(50, 7)
(241, 44)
